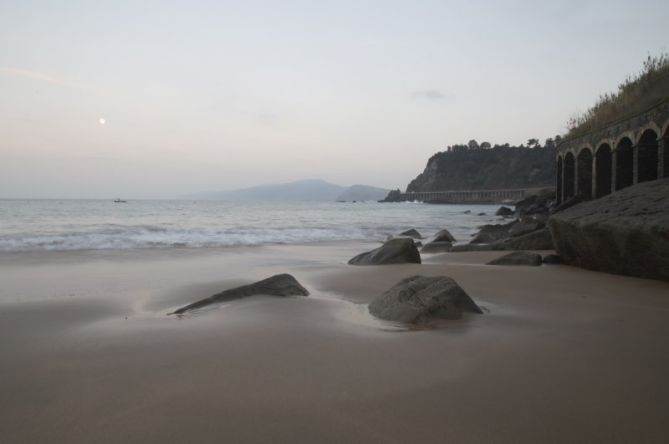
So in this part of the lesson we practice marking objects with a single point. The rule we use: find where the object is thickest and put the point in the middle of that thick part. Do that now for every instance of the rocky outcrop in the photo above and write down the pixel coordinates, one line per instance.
(552, 259)
(394, 251)
(437, 247)
(419, 299)
(538, 203)
(411, 233)
(536, 240)
(443, 236)
(525, 225)
(492, 233)
(504, 212)
(518, 258)
(393, 196)
(277, 285)
(626, 232)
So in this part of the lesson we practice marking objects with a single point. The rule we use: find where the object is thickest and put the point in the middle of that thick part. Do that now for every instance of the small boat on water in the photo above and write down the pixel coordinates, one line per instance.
(117, 200)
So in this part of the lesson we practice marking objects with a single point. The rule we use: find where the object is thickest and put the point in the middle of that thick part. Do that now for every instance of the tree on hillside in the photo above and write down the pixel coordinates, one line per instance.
(549, 143)
(485, 145)
(473, 144)
(533, 143)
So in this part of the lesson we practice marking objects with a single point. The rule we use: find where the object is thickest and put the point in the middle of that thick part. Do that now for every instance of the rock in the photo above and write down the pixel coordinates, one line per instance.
(393, 196)
(418, 243)
(443, 236)
(411, 233)
(626, 232)
(277, 285)
(524, 226)
(552, 259)
(504, 211)
(569, 203)
(437, 247)
(518, 258)
(467, 212)
(536, 240)
(491, 233)
(394, 251)
(481, 214)
(540, 202)
(419, 299)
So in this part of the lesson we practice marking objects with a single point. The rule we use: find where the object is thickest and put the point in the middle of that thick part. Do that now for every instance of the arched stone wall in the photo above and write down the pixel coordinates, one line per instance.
(558, 187)
(584, 173)
(569, 175)
(624, 154)
(603, 170)
(647, 156)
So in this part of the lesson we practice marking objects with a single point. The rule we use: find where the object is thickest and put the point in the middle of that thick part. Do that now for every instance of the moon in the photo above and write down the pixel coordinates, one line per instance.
(102, 120)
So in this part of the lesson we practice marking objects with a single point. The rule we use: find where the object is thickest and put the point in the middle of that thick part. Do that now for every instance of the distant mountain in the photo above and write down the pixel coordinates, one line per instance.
(315, 190)
(302, 190)
(362, 193)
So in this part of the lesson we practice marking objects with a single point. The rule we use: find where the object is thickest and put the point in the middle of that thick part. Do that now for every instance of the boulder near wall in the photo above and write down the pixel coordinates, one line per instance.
(626, 232)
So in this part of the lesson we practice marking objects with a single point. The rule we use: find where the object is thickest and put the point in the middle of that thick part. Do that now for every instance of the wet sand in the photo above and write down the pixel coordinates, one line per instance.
(88, 354)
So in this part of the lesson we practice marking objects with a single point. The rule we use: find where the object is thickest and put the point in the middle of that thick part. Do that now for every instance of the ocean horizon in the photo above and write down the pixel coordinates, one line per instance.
(101, 224)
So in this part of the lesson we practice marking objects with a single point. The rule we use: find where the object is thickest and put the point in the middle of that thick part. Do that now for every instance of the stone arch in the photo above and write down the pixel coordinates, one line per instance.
(603, 169)
(648, 147)
(569, 175)
(665, 129)
(624, 163)
(605, 142)
(626, 135)
(587, 146)
(649, 126)
(584, 172)
(558, 188)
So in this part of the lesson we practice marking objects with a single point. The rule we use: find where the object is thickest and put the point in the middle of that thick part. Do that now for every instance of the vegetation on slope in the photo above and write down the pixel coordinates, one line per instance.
(636, 94)
(485, 167)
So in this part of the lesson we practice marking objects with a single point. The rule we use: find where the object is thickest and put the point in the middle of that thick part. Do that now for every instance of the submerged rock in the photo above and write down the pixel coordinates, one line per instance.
(394, 251)
(443, 236)
(626, 232)
(437, 247)
(277, 285)
(518, 258)
(419, 299)
(411, 233)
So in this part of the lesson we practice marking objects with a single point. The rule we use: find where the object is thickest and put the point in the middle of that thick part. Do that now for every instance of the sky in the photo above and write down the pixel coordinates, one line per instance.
(162, 99)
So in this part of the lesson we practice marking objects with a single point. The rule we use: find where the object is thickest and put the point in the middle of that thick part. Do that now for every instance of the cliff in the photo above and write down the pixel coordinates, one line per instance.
(500, 167)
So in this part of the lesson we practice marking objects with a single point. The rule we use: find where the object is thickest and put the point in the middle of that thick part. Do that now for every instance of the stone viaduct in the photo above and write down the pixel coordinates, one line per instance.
(468, 196)
(632, 150)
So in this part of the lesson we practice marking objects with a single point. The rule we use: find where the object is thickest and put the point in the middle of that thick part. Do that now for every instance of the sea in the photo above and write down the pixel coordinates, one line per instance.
(67, 225)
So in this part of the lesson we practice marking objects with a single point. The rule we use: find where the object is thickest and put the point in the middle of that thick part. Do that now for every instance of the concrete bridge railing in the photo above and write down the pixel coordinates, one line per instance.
(469, 196)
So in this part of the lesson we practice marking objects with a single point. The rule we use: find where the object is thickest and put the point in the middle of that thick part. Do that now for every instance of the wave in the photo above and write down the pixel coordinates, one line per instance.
(118, 237)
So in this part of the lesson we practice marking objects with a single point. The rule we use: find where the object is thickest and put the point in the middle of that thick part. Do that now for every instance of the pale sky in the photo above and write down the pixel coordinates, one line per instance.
(214, 95)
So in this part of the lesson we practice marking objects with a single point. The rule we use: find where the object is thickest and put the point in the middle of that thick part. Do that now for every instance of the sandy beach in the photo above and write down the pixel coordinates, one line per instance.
(89, 354)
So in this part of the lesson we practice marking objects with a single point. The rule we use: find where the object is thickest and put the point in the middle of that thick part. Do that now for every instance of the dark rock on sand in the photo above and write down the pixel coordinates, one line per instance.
(394, 251)
(277, 285)
(437, 247)
(518, 258)
(552, 259)
(411, 233)
(535, 240)
(491, 233)
(525, 225)
(626, 232)
(419, 299)
(504, 211)
(540, 202)
(443, 236)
